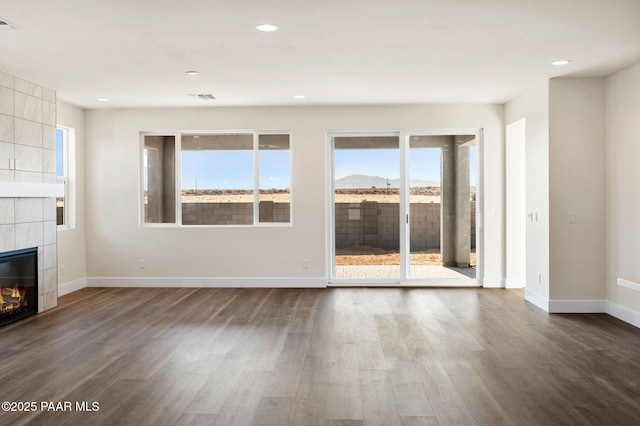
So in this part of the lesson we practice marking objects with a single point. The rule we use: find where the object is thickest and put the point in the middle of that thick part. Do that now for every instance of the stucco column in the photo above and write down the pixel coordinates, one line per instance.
(448, 203)
(462, 208)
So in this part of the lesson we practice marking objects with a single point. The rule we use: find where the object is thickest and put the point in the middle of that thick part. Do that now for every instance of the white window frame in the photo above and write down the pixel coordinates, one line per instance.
(69, 176)
(178, 179)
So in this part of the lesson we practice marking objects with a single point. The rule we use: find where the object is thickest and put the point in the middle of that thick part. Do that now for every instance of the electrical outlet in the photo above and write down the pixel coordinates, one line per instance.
(305, 264)
(539, 278)
(61, 269)
(141, 263)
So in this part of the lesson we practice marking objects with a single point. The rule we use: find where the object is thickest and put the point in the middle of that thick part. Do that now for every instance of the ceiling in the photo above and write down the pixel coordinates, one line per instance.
(332, 51)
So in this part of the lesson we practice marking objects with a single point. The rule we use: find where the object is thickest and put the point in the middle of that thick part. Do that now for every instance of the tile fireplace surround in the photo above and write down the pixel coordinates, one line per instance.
(27, 178)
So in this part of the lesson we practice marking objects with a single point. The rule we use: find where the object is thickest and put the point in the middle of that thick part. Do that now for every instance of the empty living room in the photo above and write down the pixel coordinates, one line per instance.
(320, 213)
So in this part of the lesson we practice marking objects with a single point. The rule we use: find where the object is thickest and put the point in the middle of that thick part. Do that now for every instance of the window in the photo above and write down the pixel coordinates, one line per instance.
(65, 172)
(159, 193)
(217, 179)
(275, 182)
(224, 178)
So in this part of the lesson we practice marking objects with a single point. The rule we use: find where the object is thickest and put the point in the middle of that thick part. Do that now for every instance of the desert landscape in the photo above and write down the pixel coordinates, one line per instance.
(367, 255)
(342, 195)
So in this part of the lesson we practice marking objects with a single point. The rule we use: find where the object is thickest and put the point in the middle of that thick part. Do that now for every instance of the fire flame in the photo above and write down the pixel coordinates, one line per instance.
(15, 297)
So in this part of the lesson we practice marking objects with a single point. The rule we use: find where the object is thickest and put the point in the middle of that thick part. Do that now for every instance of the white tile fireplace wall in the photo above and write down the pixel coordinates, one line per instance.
(27, 155)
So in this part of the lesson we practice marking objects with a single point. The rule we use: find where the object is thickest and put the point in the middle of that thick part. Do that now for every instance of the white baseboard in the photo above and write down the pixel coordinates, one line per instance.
(536, 299)
(624, 314)
(577, 306)
(632, 284)
(426, 282)
(514, 283)
(207, 282)
(72, 286)
(493, 282)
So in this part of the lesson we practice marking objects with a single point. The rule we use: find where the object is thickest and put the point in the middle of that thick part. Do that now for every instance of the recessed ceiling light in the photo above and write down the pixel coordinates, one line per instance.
(561, 62)
(192, 72)
(103, 99)
(299, 96)
(266, 27)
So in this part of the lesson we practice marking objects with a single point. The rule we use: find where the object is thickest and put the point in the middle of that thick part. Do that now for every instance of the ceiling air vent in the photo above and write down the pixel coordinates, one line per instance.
(5, 25)
(203, 96)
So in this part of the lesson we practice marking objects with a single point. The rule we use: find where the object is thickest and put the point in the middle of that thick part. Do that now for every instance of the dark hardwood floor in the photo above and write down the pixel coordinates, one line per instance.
(318, 357)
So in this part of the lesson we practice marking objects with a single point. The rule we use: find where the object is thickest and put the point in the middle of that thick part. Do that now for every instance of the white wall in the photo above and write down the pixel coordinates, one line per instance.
(515, 212)
(577, 185)
(623, 192)
(533, 105)
(72, 269)
(115, 241)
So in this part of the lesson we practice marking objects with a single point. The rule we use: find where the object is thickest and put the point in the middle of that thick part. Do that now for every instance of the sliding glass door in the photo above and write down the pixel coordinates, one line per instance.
(366, 202)
(403, 207)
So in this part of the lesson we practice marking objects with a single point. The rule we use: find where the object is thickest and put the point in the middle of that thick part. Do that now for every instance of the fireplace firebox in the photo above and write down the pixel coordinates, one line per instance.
(18, 285)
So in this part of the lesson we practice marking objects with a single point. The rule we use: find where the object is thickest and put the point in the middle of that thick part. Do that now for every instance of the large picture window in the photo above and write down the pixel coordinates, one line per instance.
(224, 178)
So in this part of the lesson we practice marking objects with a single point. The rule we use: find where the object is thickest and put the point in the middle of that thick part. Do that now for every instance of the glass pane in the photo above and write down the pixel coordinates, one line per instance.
(60, 208)
(159, 179)
(217, 179)
(442, 188)
(424, 205)
(60, 138)
(275, 178)
(367, 207)
(60, 172)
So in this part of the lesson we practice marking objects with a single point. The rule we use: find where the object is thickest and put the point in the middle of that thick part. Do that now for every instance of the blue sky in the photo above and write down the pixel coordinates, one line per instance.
(234, 169)
(59, 152)
(424, 164)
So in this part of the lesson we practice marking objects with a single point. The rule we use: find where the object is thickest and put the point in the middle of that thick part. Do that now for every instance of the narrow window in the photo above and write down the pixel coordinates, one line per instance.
(159, 179)
(61, 141)
(65, 175)
(274, 182)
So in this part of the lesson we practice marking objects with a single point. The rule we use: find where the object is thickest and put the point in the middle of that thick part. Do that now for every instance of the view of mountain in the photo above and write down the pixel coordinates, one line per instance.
(363, 181)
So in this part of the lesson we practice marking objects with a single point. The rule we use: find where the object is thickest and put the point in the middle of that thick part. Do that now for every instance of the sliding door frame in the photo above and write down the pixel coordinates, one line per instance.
(405, 220)
(331, 213)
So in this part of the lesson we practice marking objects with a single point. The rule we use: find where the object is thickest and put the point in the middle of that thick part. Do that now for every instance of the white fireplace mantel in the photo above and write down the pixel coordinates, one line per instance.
(30, 190)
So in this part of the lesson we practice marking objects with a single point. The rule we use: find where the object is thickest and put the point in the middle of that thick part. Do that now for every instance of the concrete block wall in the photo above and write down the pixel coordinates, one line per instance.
(233, 213)
(425, 226)
(356, 226)
(274, 212)
(389, 226)
(349, 224)
(365, 223)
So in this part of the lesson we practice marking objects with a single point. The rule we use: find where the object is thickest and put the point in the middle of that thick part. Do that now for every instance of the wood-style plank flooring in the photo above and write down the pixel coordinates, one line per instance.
(319, 357)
